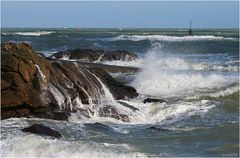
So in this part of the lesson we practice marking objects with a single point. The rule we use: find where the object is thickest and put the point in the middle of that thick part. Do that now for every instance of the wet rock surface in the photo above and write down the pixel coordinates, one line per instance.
(32, 85)
(42, 130)
(21, 80)
(109, 111)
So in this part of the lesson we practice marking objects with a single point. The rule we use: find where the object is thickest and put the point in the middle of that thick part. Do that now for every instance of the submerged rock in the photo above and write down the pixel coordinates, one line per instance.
(98, 125)
(42, 130)
(95, 55)
(151, 100)
(158, 129)
(32, 85)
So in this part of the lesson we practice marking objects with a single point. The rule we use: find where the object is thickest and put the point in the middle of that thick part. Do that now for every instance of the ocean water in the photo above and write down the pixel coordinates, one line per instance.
(197, 75)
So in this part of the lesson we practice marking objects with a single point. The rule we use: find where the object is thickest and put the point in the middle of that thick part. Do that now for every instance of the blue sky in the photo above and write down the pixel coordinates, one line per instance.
(162, 14)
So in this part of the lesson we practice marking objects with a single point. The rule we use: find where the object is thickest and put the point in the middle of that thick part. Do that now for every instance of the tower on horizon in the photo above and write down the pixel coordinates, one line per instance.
(190, 29)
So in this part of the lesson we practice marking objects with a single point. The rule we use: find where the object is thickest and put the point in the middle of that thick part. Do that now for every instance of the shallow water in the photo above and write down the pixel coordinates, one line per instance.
(198, 76)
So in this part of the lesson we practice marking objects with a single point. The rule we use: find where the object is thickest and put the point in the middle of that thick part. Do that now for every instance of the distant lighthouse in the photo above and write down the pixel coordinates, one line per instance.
(190, 29)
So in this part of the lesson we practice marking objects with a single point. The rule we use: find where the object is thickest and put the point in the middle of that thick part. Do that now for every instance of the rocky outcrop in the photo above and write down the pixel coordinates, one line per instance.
(32, 85)
(42, 130)
(95, 55)
(21, 80)
(152, 100)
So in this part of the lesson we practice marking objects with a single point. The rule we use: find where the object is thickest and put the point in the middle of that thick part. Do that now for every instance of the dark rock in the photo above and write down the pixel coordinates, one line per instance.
(158, 129)
(60, 116)
(118, 89)
(96, 55)
(128, 106)
(150, 100)
(42, 130)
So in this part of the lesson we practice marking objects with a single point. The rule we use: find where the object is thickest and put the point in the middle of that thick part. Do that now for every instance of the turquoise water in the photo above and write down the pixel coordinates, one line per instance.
(198, 76)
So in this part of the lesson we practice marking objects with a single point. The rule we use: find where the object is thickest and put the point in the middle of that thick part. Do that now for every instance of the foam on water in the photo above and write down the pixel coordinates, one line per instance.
(133, 63)
(165, 113)
(169, 38)
(167, 75)
(37, 146)
(37, 33)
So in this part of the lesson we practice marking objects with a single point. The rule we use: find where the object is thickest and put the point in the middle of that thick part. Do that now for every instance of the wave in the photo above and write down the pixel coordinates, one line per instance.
(163, 113)
(48, 53)
(38, 33)
(166, 75)
(169, 38)
(133, 63)
(28, 42)
(37, 146)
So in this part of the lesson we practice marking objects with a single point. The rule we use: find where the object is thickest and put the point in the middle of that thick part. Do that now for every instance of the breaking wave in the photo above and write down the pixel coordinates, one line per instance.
(166, 75)
(169, 38)
(133, 63)
(38, 33)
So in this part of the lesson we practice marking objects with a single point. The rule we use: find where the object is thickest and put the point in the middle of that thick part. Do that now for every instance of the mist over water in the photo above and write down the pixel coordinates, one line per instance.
(198, 76)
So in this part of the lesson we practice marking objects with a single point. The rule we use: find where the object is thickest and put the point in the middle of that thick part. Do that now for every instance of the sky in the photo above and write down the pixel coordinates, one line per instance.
(161, 14)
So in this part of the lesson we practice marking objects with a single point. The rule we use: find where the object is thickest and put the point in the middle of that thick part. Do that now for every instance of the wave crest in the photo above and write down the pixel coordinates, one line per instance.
(169, 38)
(38, 33)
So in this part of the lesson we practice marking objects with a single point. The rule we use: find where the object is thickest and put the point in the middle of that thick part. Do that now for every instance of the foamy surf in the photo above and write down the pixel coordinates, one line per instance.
(37, 146)
(169, 38)
(38, 33)
(167, 75)
(133, 63)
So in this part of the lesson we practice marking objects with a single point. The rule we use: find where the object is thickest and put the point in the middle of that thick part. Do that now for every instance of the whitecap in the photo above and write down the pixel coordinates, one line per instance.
(37, 33)
(170, 38)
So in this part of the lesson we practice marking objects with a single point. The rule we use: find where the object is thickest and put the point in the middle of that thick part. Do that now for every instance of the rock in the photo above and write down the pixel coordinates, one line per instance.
(109, 111)
(151, 100)
(21, 85)
(128, 106)
(95, 55)
(118, 89)
(32, 85)
(42, 130)
(60, 116)
(158, 129)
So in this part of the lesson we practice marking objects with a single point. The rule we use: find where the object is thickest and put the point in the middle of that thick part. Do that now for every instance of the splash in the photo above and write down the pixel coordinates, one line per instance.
(167, 75)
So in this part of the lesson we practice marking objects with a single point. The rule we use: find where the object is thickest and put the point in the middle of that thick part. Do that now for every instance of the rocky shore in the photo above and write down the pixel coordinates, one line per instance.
(35, 86)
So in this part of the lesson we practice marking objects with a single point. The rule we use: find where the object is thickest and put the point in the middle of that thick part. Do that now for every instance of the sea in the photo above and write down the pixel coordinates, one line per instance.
(197, 75)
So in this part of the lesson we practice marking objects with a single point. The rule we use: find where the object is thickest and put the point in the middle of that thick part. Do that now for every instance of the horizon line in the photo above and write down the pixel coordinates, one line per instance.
(118, 28)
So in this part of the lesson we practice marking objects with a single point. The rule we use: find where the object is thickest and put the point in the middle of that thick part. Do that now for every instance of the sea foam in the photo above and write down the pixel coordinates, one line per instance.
(168, 75)
(169, 38)
(37, 33)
